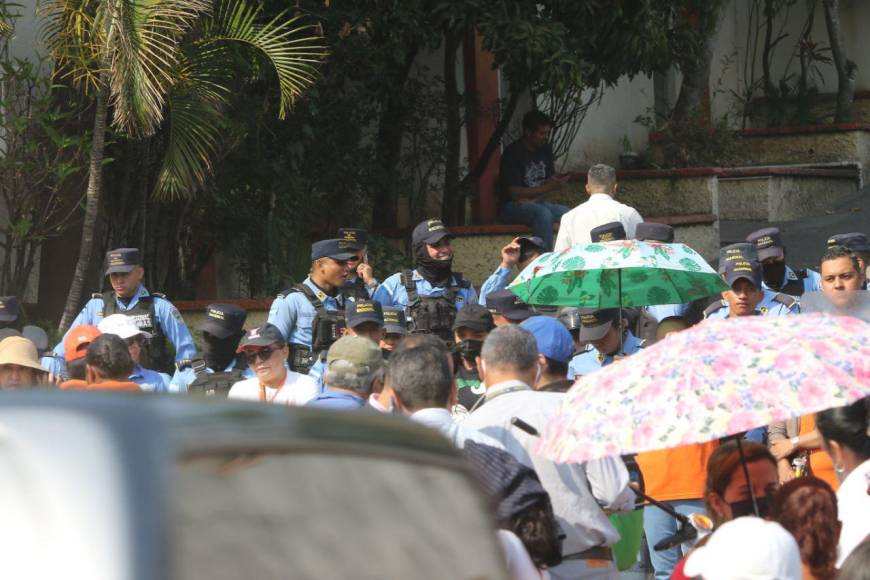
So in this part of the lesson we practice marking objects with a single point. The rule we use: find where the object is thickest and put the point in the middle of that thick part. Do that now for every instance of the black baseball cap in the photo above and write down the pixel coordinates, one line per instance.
(474, 317)
(265, 335)
(122, 260)
(768, 243)
(356, 238)
(395, 321)
(359, 311)
(8, 308)
(533, 241)
(740, 261)
(608, 232)
(594, 324)
(223, 320)
(507, 304)
(335, 249)
(855, 241)
(654, 232)
(429, 232)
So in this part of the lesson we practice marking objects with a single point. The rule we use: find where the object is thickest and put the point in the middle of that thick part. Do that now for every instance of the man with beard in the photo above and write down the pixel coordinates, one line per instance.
(310, 315)
(218, 367)
(432, 293)
(776, 275)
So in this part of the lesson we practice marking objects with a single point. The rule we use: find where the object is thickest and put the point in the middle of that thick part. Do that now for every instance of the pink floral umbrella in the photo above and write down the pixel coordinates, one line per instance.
(716, 379)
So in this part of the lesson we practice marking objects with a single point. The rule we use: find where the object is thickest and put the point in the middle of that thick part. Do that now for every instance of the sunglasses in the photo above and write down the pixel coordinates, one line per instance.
(263, 354)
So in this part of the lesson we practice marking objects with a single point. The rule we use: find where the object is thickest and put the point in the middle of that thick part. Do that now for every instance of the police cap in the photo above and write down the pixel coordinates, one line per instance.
(122, 260)
(474, 317)
(336, 249)
(395, 321)
(223, 320)
(654, 232)
(360, 311)
(608, 232)
(429, 232)
(356, 238)
(594, 324)
(855, 241)
(507, 304)
(529, 242)
(739, 251)
(8, 308)
(740, 261)
(768, 242)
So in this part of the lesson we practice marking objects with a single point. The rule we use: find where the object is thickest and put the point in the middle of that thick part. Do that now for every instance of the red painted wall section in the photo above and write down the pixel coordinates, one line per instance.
(481, 79)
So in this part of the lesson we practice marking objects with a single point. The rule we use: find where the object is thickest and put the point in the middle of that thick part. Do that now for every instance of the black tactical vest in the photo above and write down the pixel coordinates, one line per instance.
(217, 383)
(155, 353)
(432, 314)
(794, 287)
(357, 290)
(327, 327)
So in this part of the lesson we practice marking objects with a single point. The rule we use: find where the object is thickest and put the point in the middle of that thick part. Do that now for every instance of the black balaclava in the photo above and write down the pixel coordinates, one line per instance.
(218, 353)
(436, 272)
(469, 349)
(773, 273)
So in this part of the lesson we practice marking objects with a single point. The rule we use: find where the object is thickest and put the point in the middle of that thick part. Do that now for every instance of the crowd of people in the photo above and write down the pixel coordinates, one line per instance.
(487, 370)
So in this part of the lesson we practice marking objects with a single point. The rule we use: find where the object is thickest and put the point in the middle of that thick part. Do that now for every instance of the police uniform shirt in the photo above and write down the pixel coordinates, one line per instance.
(662, 311)
(591, 360)
(293, 314)
(182, 378)
(393, 293)
(171, 324)
(499, 280)
(812, 283)
(316, 373)
(773, 304)
(149, 380)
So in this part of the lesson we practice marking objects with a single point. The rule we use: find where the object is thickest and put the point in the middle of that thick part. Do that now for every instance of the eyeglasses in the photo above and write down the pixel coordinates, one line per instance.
(263, 354)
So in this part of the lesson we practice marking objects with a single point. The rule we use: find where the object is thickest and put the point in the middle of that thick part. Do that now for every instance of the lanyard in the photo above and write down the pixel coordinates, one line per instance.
(490, 397)
(264, 398)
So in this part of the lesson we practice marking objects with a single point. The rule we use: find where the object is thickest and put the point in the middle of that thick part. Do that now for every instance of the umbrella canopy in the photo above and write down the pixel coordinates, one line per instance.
(624, 273)
(716, 379)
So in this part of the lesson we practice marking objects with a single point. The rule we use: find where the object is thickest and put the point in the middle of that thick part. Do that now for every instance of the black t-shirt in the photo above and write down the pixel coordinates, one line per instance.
(523, 168)
(468, 387)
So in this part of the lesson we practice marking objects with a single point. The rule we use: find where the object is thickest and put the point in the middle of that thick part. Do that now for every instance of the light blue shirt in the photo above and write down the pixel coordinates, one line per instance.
(293, 314)
(662, 311)
(149, 380)
(768, 306)
(812, 283)
(336, 400)
(316, 372)
(393, 293)
(171, 324)
(499, 280)
(182, 378)
(591, 360)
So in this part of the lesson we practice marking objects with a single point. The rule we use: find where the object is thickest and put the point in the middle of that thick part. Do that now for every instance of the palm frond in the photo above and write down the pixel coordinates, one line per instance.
(74, 33)
(293, 49)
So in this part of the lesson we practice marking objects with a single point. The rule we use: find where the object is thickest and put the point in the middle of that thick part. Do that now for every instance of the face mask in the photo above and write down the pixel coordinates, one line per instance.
(774, 274)
(744, 508)
(469, 349)
(436, 272)
(218, 353)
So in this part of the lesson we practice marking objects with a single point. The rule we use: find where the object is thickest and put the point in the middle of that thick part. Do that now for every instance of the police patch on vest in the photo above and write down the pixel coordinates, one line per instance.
(143, 321)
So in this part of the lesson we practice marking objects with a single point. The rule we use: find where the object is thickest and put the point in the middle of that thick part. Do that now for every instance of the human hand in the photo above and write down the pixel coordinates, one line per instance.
(510, 254)
(365, 271)
(786, 473)
(782, 448)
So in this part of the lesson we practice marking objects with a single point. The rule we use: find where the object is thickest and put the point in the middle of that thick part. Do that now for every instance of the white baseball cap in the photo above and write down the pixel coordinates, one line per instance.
(747, 548)
(121, 325)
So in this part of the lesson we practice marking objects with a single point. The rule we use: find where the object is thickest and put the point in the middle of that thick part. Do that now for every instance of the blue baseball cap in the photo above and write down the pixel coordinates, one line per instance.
(360, 311)
(654, 232)
(740, 261)
(336, 249)
(357, 238)
(122, 260)
(609, 232)
(554, 340)
(224, 320)
(395, 321)
(855, 241)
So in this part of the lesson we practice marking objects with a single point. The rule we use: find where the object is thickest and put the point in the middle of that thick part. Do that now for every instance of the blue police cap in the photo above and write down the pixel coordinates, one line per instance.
(740, 261)
(394, 320)
(360, 311)
(507, 304)
(554, 340)
(594, 324)
(654, 232)
(224, 320)
(608, 232)
(533, 241)
(122, 260)
(8, 308)
(429, 232)
(335, 249)
(855, 241)
(768, 243)
(355, 238)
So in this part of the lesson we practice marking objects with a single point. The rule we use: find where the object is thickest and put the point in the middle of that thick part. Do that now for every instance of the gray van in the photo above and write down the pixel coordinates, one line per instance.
(121, 486)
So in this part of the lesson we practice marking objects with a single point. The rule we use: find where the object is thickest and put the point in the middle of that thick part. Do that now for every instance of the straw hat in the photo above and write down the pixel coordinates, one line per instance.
(17, 350)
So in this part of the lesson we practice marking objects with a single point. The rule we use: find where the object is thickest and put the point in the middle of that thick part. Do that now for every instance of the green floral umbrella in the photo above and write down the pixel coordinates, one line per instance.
(624, 273)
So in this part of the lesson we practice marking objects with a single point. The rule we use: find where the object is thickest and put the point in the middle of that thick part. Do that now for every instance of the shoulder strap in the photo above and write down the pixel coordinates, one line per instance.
(158, 295)
(407, 278)
(786, 299)
(311, 296)
(98, 295)
(719, 304)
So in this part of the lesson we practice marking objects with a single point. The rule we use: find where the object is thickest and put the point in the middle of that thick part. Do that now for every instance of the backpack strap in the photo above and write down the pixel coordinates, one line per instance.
(718, 305)
(311, 296)
(407, 278)
(789, 301)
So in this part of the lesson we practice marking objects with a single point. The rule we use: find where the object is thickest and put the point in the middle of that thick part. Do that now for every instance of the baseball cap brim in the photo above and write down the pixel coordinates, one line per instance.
(395, 329)
(213, 328)
(518, 313)
(258, 342)
(593, 333)
(341, 257)
(435, 237)
(354, 322)
(771, 252)
(732, 277)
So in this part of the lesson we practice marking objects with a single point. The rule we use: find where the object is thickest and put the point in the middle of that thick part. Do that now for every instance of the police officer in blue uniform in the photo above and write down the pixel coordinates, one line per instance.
(363, 318)
(218, 367)
(153, 313)
(776, 274)
(521, 252)
(432, 293)
(600, 330)
(310, 315)
(740, 268)
(859, 244)
(361, 283)
(395, 329)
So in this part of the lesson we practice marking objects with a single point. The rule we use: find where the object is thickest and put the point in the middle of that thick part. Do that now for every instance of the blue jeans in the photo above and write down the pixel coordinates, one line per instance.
(538, 215)
(657, 525)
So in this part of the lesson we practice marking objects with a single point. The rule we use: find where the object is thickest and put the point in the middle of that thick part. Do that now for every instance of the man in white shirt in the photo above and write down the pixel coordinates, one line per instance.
(601, 208)
(580, 493)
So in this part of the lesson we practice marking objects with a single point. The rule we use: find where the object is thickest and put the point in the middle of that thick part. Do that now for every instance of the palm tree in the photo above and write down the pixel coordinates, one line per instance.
(167, 62)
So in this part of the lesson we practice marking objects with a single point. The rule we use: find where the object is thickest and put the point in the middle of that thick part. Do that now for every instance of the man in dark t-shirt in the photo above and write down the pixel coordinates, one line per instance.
(527, 176)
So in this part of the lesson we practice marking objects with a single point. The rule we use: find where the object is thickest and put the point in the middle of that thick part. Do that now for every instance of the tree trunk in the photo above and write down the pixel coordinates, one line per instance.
(845, 67)
(773, 116)
(696, 79)
(92, 205)
(450, 212)
(506, 114)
